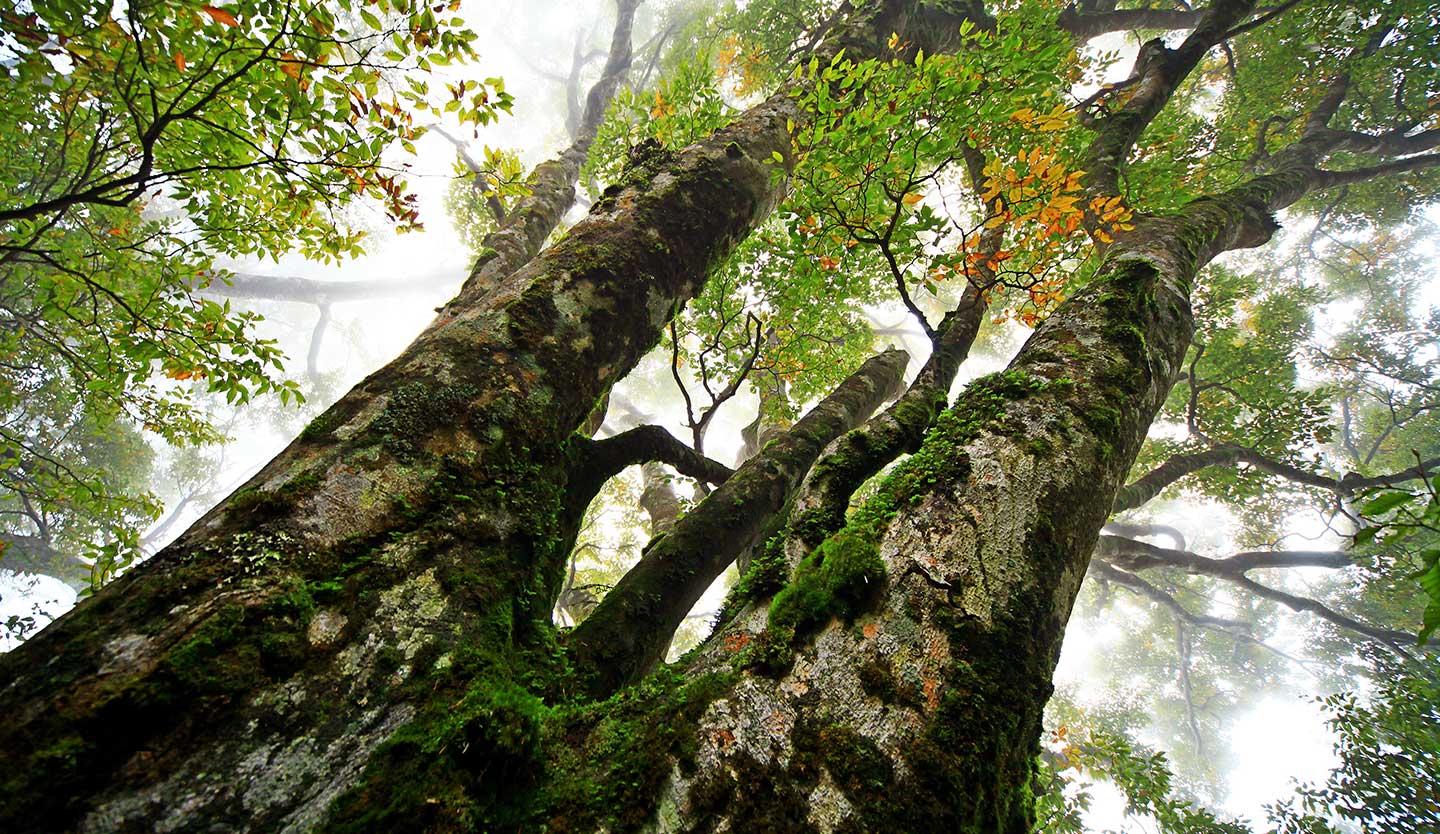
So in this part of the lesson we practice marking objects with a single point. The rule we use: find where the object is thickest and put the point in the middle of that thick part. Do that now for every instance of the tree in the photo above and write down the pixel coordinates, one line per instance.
(361, 638)
(142, 149)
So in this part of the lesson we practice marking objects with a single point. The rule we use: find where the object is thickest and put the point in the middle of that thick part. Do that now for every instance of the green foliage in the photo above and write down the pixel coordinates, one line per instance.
(474, 194)
(1389, 751)
(887, 133)
(141, 148)
(1142, 775)
(1386, 48)
(69, 481)
(685, 106)
(1407, 524)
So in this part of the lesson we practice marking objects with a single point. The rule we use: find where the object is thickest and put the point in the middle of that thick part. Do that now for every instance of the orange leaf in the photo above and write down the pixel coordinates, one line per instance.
(912, 199)
(220, 15)
(180, 61)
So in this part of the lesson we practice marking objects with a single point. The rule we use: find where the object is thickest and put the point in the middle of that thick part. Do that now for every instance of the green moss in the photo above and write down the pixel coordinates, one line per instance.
(756, 797)
(646, 160)
(765, 576)
(614, 755)
(457, 766)
(839, 579)
(858, 767)
(415, 409)
(259, 505)
(816, 523)
(240, 647)
(877, 679)
(844, 574)
(321, 427)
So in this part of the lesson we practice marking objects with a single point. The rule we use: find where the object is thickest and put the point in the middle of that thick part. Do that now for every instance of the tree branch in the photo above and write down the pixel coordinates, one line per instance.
(1160, 71)
(603, 459)
(630, 630)
(1152, 483)
(820, 504)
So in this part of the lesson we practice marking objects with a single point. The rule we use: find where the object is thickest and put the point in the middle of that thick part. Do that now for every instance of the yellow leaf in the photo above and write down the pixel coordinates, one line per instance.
(290, 66)
(912, 199)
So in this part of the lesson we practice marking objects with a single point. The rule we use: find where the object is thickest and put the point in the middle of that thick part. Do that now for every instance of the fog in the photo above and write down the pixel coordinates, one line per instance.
(1234, 708)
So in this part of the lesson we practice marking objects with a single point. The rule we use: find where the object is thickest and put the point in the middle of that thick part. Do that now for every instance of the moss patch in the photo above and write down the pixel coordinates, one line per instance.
(415, 409)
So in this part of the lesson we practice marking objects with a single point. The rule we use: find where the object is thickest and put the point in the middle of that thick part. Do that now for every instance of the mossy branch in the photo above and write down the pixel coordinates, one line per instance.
(629, 632)
(819, 506)
(597, 461)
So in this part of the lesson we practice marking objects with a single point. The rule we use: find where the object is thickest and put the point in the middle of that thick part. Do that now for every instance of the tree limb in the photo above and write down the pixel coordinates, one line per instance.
(600, 460)
(629, 632)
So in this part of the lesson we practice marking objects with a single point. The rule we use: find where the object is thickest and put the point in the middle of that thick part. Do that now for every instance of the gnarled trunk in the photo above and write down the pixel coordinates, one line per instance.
(360, 638)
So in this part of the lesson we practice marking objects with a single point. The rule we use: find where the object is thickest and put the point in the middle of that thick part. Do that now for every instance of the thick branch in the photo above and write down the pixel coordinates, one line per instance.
(630, 630)
(1086, 25)
(1152, 483)
(599, 460)
(1160, 71)
(1330, 179)
(1133, 555)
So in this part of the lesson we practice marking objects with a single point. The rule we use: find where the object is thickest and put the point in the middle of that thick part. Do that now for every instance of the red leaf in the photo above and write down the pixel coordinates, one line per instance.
(220, 15)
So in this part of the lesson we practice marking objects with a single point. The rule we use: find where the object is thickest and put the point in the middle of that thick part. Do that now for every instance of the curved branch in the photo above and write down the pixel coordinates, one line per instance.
(1384, 636)
(1128, 556)
(629, 632)
(1146, 487)
(600, 460)
(1125, 579)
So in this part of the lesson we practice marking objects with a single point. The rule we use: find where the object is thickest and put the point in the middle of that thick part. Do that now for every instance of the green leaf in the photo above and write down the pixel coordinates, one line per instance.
(1385, 503)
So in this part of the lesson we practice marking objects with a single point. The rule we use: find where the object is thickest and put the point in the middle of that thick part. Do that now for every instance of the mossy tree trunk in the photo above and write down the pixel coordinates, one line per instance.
(386, 582)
